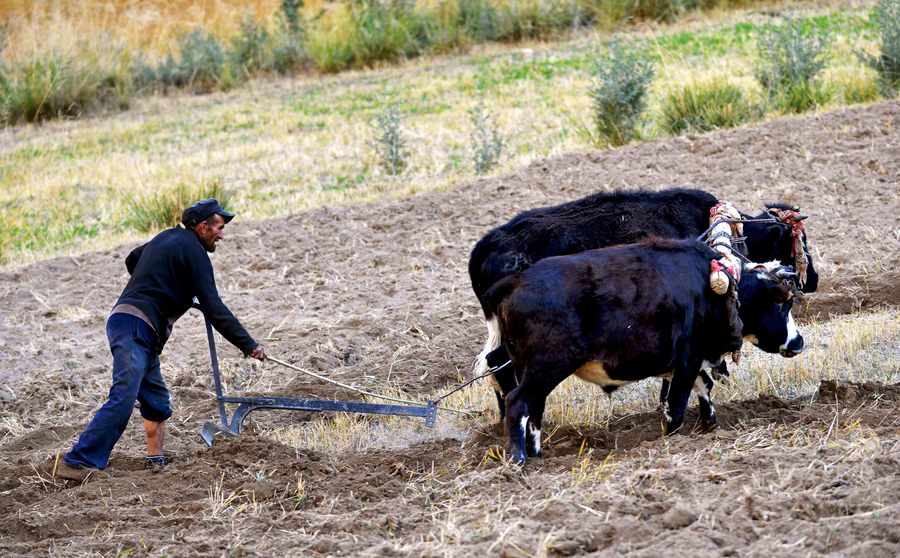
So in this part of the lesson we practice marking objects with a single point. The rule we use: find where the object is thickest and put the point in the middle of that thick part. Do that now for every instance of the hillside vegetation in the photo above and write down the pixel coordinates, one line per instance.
(280, 145)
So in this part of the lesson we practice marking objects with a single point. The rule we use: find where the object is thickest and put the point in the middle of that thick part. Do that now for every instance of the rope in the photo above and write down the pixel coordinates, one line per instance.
(362, 391)
(459, 387)
(772, 221)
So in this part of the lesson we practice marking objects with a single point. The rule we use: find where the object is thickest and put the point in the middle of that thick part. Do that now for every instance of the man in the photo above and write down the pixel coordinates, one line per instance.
(166, 274)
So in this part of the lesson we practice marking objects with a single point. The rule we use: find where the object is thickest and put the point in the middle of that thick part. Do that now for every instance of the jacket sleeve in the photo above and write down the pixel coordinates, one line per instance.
(215, 310)
(132, 259)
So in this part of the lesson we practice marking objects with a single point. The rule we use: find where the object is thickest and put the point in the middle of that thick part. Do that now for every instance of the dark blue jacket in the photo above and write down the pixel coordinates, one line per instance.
(166, 274)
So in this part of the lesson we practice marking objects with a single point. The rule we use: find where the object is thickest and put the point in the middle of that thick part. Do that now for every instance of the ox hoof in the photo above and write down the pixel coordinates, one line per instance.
(708, 425)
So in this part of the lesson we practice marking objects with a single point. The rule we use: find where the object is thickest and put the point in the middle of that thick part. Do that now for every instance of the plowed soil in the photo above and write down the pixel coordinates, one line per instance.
(378, 295)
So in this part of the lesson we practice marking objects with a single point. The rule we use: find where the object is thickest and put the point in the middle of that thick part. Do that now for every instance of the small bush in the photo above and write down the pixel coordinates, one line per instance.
(854, 85)
(658, 10)
(800, 97)
(477, 19)
(887, 63)
(535, 19)
(487, 143)
(619, 93)
(201, 64)
(706, 106)
(251, 48)
(56, 84)
(163, 209)
(367, 32)
(790, 59)
(389, 143)
(289, 40)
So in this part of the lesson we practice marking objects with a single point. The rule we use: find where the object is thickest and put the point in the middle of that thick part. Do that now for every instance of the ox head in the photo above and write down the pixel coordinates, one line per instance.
(767, 292)
(782, 239)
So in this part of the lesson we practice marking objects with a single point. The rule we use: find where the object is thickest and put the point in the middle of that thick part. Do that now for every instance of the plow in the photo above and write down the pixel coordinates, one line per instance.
(233, 425)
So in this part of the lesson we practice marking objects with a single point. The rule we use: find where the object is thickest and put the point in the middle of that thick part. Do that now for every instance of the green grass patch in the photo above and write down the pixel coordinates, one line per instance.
(702, 107)
(162, 209)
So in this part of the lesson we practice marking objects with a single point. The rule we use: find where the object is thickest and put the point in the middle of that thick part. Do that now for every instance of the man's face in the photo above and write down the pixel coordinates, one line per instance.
(211, 232)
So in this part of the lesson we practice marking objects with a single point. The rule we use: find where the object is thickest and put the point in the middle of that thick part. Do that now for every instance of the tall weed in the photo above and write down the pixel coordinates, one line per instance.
(619, 93)
(389, 143)
(487, 142)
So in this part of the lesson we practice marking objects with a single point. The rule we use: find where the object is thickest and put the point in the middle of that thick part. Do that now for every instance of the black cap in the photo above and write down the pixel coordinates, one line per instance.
(203, 210)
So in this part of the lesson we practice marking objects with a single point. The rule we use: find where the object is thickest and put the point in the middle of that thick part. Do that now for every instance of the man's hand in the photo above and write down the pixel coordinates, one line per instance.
(259, 353)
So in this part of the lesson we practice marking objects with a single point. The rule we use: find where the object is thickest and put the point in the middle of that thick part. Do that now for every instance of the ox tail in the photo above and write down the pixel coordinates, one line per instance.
(490, 302)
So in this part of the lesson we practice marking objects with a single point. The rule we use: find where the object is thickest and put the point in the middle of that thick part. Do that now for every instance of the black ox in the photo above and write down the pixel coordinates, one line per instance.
(621, 314)
(607, 219)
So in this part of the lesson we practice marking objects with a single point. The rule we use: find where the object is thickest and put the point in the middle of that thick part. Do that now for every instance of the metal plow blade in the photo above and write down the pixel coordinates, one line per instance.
(209, 429)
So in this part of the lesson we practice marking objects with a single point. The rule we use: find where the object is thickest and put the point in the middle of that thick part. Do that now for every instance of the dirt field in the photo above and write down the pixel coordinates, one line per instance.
(379, 295)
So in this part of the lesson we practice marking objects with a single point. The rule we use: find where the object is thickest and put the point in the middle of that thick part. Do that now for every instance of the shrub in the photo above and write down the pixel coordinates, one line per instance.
(854, 85)
(790, 59)
(887, 63)
(533, 19)
(619, 93)
(57, 84)
(163, 209)
(251, 48)
(800, 97)
(368, 32)
(657, 10)
(704, 107)
(288, 42)
(477, 19)
(202, 63)
(487, 143)
(389, 144)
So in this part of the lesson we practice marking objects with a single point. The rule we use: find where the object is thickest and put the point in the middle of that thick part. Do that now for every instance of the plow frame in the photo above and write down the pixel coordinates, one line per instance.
(233, 426)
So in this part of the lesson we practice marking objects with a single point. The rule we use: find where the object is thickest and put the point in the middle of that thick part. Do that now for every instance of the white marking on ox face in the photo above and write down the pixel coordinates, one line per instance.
(595, 373)
(492, 342)
(792, 333)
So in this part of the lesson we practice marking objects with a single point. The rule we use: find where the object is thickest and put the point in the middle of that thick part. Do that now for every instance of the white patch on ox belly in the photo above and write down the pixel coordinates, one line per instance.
(492, 342)
(595, 373)
(791, 332)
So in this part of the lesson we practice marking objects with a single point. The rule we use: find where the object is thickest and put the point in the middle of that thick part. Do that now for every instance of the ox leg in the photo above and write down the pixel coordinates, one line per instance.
(721, 371)
(663, 392)
(504, 377)
(525, 406)
(703, 388)
(677, 399)
(533, 434)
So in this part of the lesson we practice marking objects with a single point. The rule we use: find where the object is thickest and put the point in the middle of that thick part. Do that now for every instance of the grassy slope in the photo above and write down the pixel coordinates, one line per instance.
(287, 145)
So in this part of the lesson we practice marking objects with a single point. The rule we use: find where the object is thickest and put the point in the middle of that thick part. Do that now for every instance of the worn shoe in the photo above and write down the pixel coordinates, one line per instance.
(158, 462)
(75, 473)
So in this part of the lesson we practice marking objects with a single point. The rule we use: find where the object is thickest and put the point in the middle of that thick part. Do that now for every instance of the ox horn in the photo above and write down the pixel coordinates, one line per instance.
(801, 216)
